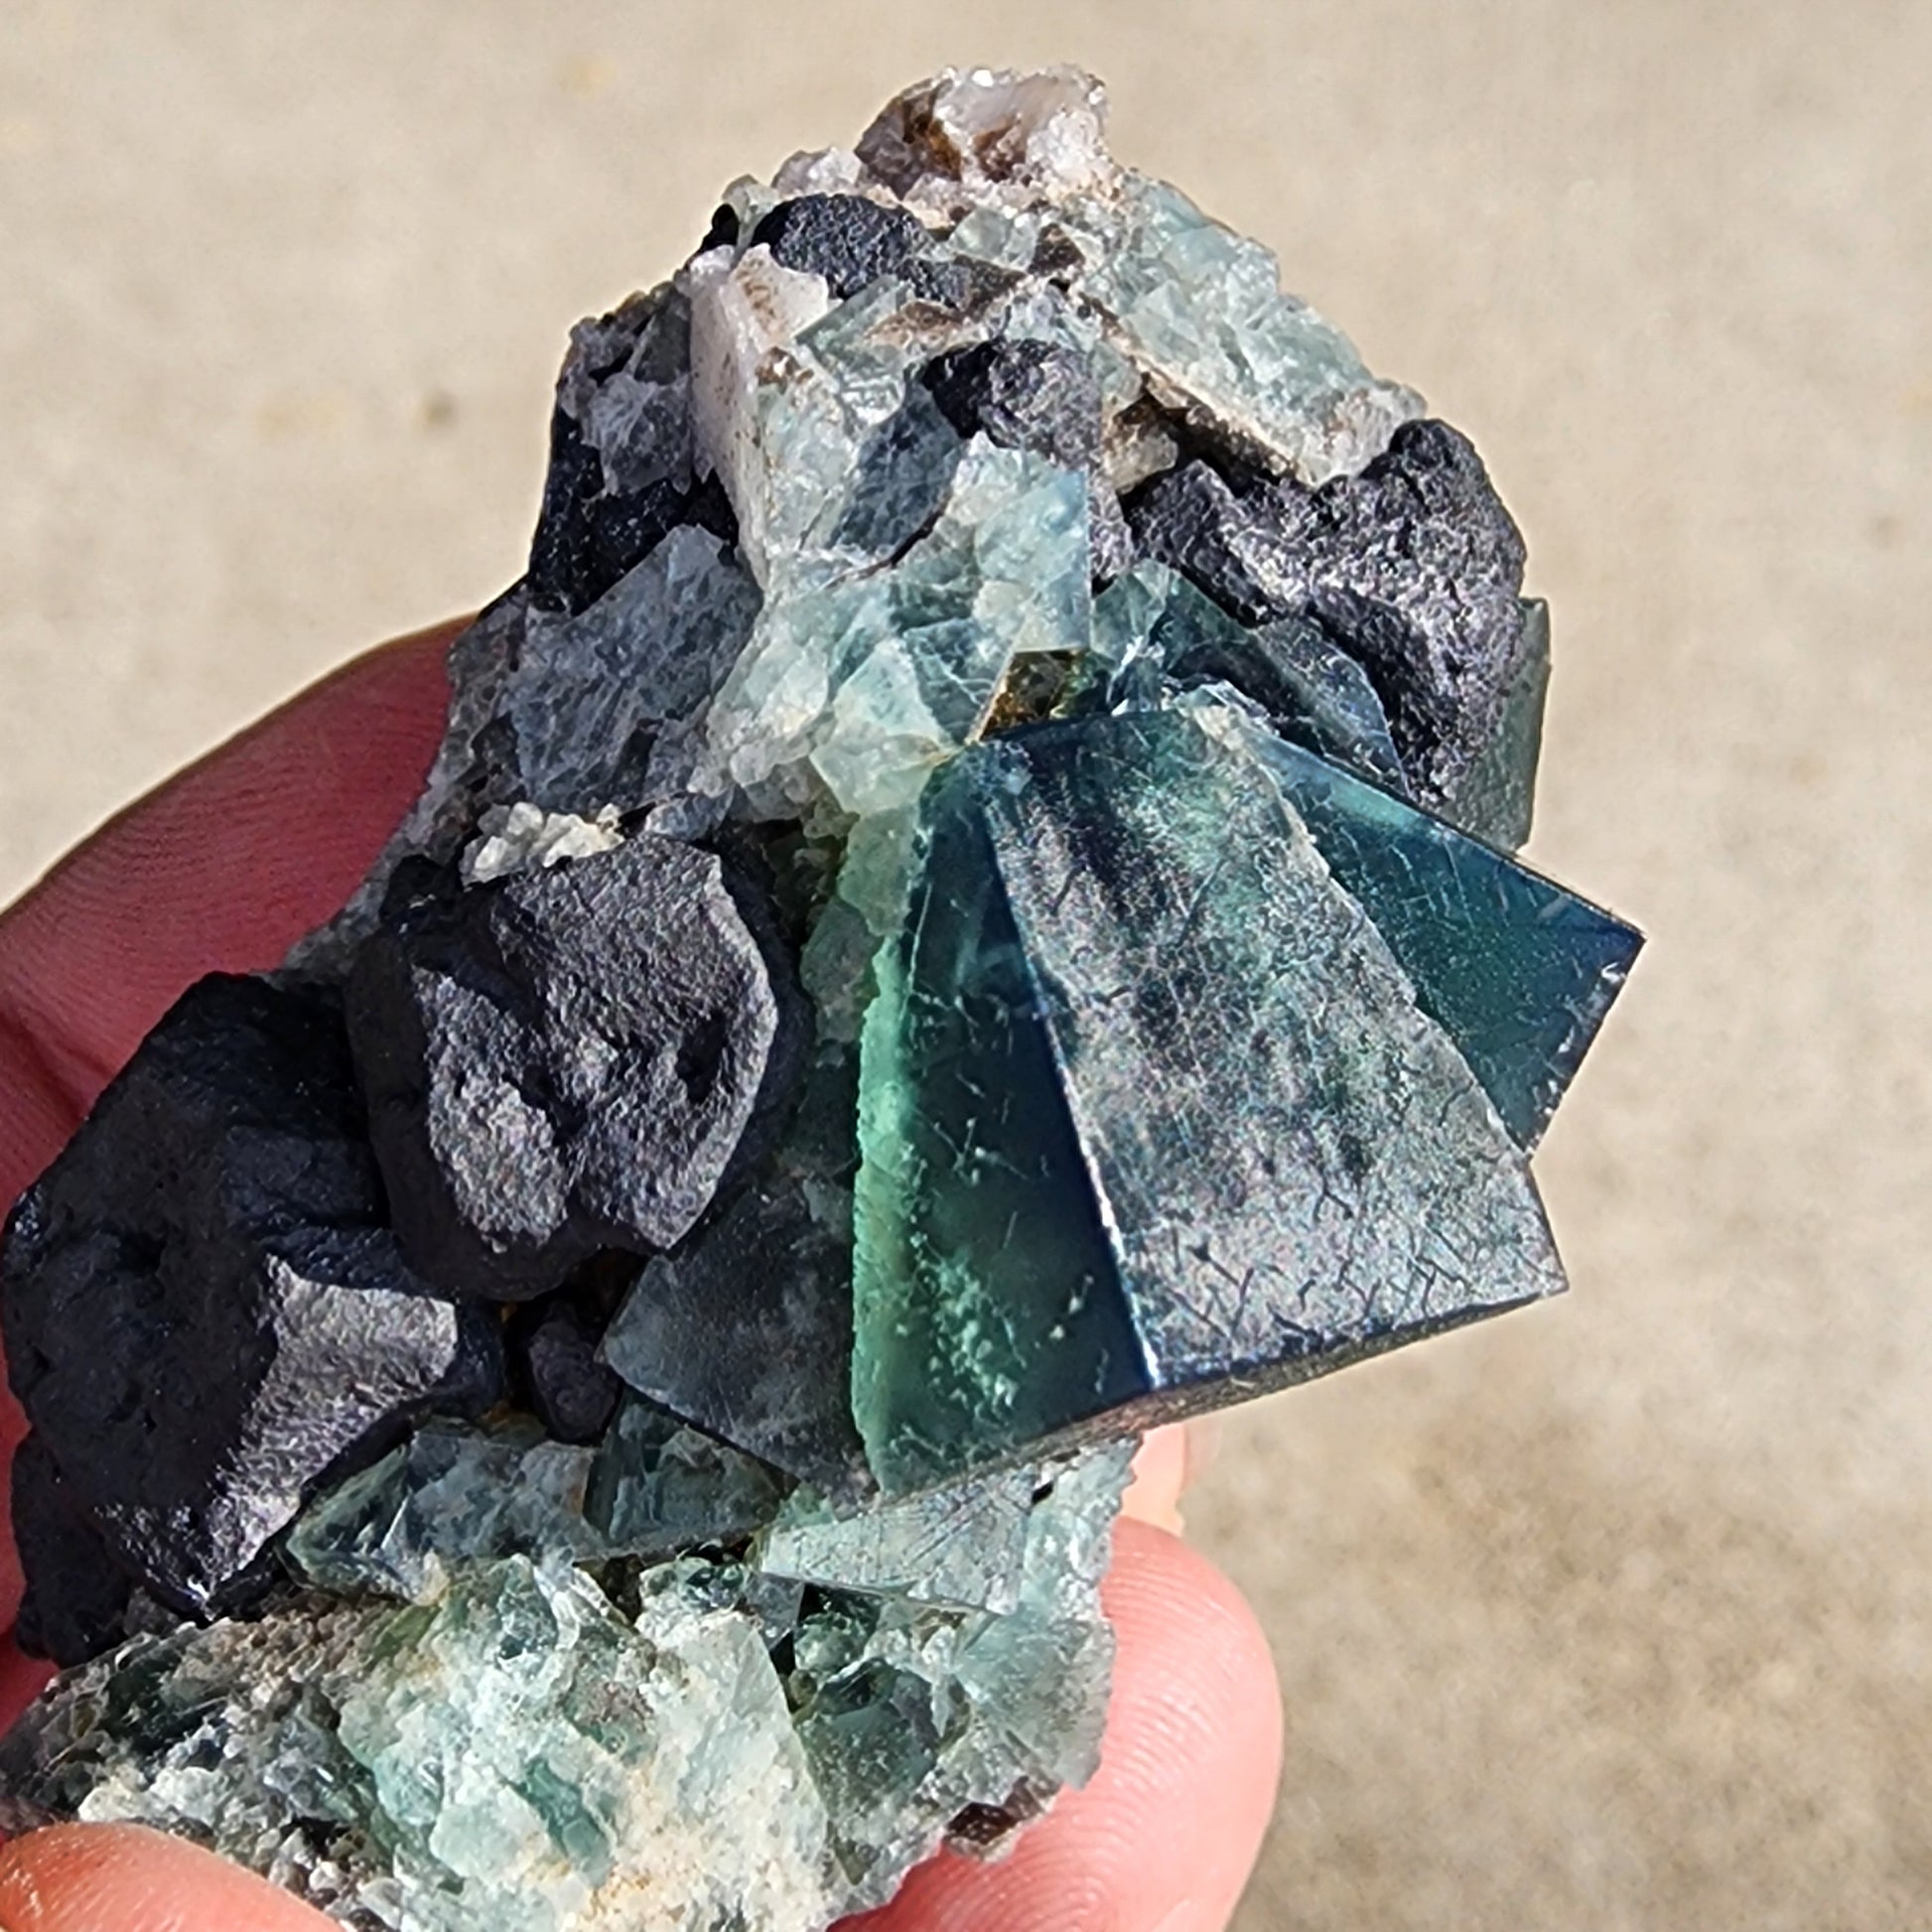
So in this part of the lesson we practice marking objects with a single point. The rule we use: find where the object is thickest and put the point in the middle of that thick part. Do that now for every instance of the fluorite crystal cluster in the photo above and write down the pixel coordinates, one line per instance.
(965, 910)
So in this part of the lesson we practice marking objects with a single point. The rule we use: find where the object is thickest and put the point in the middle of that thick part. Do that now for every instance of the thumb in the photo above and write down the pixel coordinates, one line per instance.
(122, 1879)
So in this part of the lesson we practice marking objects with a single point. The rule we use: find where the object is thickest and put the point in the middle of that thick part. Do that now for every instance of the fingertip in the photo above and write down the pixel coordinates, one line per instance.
(1164, 1838)
(123, 1878)
(1160, 1476)
(219, 870)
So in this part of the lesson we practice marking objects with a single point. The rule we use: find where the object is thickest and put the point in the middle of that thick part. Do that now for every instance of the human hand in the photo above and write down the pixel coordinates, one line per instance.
(219, 870)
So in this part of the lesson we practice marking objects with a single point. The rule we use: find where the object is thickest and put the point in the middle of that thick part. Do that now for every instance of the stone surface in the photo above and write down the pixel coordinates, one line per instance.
(590, 714)
(555, 1369)
(1023, 394)
(518, 1750)
(852, 689)
(920, 1722)
(658, 1488)
(1157, 637)
(77, 1591)
(849, 241)
(205, 1311)
(450, 1496)
(1030, 394)
(746, 1333)
(1496, 796)
(456, 1494)
(1517, 971)
(962, 1545)
(517, 1753)
(562, 1062)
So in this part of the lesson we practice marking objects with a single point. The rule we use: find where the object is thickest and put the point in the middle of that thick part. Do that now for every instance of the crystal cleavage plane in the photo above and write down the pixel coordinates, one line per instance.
(965, 910)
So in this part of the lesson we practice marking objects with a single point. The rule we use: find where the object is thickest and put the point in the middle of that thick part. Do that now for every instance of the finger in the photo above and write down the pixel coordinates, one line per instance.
(121, 1879)
(1159, 1475)
(1164, 1838)
(1170, 1462)
(223, 867)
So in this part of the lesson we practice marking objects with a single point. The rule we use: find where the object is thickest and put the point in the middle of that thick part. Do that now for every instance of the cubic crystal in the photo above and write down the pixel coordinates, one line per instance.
(205, 1311)
(1135, 1041)
(560, 1062)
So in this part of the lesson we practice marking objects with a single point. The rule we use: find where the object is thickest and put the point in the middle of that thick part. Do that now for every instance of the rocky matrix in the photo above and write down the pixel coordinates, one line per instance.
(965, 910)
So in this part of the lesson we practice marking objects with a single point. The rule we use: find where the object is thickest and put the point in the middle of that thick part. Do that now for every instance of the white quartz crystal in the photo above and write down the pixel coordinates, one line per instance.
(523, 836)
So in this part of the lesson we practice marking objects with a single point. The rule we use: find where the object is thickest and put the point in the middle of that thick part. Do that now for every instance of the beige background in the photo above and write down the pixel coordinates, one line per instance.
(1615, 1614)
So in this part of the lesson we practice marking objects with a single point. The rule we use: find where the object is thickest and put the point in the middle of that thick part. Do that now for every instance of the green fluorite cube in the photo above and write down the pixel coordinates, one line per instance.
(1139, 1104)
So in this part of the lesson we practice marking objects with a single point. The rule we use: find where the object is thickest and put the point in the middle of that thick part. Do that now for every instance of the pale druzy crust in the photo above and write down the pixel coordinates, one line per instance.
(965, 908)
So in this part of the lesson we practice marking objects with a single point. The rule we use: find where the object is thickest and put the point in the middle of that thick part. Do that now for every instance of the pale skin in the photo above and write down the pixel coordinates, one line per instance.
(219, 870)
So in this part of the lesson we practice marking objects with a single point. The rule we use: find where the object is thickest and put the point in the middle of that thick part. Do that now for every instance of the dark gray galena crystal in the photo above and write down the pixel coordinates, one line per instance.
(560, 1061)
(206, 1311)
(1412, 568)
(966, 908)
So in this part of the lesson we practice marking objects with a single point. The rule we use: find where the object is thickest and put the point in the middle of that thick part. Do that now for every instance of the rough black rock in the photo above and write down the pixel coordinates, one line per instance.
(1414, 567)
(561, 1061)
(1192, 520)
(205, 1313)
(848, 238)
(722, 231)
(554, 1366)
(745, 1332)
(588, 535)
(77, 1598)
(1024, 395)
(621, 476)
(967, 287)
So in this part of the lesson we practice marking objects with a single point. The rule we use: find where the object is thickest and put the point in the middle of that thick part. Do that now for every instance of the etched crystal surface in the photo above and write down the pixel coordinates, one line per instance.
(1122, 927)
(965, 908)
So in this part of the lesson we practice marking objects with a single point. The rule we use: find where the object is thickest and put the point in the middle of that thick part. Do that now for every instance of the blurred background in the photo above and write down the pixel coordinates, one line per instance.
(1614, 1614)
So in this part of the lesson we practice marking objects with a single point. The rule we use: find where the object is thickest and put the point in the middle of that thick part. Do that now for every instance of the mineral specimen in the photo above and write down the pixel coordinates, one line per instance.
(966, 909)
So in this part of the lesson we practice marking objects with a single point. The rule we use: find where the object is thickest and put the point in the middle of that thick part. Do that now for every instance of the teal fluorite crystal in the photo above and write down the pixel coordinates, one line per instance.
(864, 682)
(453, 1495)
(1158, 636)
(1125, 960)
(1033, 734)
(518, 1750)
(1268, 370)
(658, 1488)
(962, 1545)
(1517, 971)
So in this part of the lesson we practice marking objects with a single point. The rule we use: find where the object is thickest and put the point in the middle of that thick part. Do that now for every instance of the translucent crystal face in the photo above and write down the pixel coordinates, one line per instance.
(965, 910)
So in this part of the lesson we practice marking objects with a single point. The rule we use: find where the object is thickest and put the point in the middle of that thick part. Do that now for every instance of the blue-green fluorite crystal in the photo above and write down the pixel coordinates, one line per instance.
(1137, 1042)
(453, 1495)
(520, 1751)
(1517, 971)
(1160, 637)
(962, 1545)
